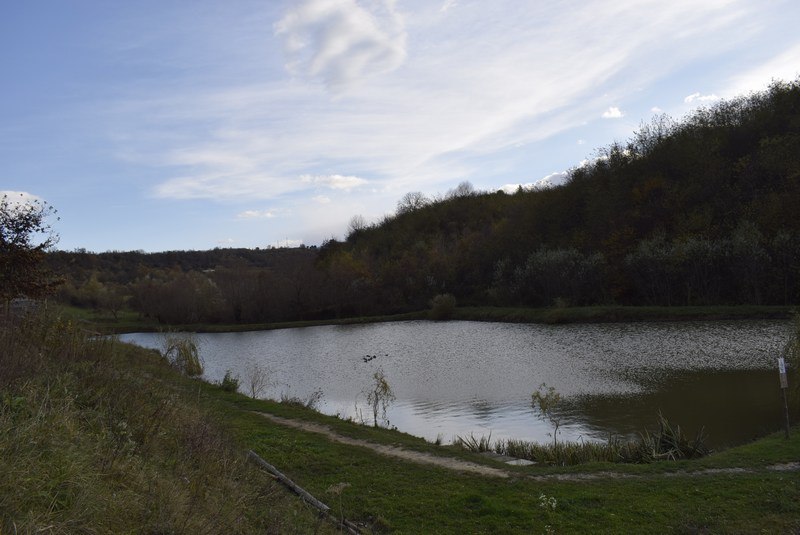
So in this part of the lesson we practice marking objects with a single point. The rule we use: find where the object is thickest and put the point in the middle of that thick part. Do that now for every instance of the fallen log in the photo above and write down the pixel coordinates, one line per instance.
(297, 489)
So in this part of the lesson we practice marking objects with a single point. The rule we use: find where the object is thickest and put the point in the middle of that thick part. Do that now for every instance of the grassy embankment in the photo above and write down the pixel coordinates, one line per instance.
(104, 437)
(101, 437)
(731, 491)
(128, 321)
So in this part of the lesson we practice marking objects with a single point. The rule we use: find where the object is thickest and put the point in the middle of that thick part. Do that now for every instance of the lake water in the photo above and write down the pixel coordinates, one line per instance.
(460, 378)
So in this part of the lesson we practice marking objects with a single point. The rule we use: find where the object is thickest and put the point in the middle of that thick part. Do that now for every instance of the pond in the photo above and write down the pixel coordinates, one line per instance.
(471, 378)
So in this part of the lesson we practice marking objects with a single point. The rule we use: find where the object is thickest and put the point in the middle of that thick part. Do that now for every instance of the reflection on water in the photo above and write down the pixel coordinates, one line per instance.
(458, 378)
(732, 405)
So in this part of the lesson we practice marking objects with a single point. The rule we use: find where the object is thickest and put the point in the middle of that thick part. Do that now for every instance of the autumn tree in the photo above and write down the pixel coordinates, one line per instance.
(25, 236)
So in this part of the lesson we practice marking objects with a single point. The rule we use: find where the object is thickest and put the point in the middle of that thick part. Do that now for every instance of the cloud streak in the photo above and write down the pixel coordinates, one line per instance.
(783, 66)
(341, 41)
(385, 99)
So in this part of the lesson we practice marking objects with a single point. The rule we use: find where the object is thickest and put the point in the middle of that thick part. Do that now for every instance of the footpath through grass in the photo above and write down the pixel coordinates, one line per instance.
(736, 491)
(99, 437)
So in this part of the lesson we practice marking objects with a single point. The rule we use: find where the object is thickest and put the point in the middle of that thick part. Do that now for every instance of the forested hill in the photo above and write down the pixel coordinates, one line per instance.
(701, 211)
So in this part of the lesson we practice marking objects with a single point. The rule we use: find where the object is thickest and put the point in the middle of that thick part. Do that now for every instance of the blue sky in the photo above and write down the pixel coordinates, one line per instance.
(162, 125)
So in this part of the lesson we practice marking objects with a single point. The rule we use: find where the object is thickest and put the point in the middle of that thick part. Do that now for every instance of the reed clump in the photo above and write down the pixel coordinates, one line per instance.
(667, 442)
(481, 444)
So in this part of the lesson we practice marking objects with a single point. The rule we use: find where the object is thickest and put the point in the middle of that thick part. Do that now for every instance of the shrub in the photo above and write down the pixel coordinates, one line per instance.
(229, 383)
(180, 350)
(442, 307)
(310, 402)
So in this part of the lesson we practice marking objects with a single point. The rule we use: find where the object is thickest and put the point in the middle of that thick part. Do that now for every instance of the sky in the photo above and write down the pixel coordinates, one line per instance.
(193, 124)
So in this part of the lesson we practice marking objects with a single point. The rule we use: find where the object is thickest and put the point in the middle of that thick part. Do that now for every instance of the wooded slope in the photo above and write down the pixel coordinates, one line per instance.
(701, 211)
(696, 212)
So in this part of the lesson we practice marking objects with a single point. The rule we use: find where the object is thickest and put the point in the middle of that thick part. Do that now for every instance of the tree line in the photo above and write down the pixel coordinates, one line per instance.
(698, 211)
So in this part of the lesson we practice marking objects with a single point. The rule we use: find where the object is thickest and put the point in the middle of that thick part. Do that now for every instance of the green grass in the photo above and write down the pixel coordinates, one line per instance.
(662, 497)
(103, 437)
(682, 496)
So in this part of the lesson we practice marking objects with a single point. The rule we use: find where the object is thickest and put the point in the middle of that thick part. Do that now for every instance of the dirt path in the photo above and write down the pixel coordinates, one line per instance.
(466, 466)
(391, 451)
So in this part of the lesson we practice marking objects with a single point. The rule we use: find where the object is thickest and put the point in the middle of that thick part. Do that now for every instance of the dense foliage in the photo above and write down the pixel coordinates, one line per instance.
(697, 212)
(703, 211)
(222, 285)
(25, 236)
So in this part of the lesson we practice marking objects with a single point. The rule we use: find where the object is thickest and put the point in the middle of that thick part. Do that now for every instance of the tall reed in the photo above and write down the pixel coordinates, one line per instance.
(667, 442)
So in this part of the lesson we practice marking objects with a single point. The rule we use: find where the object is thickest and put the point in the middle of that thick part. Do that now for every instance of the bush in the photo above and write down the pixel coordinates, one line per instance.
(312, 401)
(442, 307)
(229, 383)
(180, 350)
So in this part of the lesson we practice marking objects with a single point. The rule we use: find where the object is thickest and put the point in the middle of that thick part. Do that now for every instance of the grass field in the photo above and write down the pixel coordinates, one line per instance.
(736, 491)
(100, 437)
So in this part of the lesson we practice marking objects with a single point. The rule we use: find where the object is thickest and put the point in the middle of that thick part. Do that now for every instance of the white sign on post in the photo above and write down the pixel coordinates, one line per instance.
(782, 371)
(784, 386)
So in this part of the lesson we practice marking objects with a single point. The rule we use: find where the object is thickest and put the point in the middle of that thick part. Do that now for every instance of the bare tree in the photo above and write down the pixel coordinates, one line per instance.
(258, 378)
(356, 225)
(413, 200)
(464, 189)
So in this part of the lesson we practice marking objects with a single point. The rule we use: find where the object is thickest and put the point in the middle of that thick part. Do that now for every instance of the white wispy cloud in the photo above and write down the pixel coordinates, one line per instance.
(656, 109)
(343, 41)
(697, 97)
(334, 181)
(445, 99)
(256, 214)
(784, 66)
(447, 5)
(321, 199)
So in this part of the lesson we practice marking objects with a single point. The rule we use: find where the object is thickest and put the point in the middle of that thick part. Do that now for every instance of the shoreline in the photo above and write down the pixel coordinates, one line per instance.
(547, 316)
